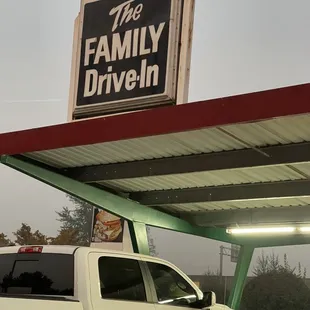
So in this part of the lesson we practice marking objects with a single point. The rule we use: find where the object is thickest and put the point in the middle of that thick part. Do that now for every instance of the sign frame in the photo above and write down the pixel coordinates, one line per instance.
(73, 73)
(174, 56)
(125, 244)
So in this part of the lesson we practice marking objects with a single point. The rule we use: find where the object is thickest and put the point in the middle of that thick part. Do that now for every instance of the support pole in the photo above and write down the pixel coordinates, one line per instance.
(185, 51)
(241, 272)
(139, 239)
(221, 262)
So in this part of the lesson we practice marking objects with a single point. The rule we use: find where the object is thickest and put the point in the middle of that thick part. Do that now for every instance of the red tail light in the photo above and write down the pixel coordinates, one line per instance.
(30, 249)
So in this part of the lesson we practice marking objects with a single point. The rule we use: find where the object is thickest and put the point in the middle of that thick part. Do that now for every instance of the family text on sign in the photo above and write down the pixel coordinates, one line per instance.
(132, 45)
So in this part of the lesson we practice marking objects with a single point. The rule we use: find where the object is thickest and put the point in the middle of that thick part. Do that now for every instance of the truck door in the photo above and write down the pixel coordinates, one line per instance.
(119, 282)
(172, 289)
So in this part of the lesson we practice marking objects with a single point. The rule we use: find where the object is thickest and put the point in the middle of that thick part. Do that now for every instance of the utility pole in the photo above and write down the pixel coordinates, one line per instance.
(221, 261)
(233, 253)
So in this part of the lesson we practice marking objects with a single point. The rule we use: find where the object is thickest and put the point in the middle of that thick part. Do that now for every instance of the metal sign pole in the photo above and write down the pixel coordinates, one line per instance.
(221, 262)
(73, 86)
(186, 51)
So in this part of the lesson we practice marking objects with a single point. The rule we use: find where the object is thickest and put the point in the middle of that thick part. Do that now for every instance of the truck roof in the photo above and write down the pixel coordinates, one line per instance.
(59, 249)
(69, 249)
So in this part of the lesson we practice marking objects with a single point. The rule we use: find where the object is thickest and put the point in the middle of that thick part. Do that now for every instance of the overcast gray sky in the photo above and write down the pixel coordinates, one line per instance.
(239, 46)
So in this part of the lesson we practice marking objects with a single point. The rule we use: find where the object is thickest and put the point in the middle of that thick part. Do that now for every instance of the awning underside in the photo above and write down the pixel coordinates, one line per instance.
(203, 175)
(237, 160)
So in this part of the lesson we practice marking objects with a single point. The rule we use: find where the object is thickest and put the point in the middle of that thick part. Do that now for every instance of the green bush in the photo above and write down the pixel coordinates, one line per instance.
(275, 287)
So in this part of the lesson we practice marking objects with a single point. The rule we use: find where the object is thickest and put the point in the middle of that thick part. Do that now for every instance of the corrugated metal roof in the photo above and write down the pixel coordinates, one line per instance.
(242, 204)
(210, 178)
(275, 131)
(286, 130)
(303, 167)
(272, 132)
(195, 142)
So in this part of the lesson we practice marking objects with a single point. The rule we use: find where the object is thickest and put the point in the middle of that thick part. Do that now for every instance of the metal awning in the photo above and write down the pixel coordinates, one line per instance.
(231, 160)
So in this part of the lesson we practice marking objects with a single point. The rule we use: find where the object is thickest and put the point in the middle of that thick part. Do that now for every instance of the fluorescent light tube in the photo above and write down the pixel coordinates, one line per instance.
(305, 229)
(260, 230)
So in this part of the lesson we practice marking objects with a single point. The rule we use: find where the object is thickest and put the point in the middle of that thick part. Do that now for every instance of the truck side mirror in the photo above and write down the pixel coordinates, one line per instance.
(209, 299)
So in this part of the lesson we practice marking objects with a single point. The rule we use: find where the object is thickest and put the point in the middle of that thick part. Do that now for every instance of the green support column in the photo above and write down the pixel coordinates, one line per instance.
(241, 272)
(139, 239)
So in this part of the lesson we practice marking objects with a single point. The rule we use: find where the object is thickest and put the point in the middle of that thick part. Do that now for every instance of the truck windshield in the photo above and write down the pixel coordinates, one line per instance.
(37, 274)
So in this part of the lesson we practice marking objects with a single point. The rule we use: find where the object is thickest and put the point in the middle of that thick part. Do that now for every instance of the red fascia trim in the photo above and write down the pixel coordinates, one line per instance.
(251, 107)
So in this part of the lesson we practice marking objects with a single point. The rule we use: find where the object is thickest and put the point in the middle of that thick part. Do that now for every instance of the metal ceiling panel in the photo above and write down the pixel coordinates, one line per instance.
(303, 167)
(195, 142)
(275, 131)
(272, 132)
(244, 204)
(201, 179)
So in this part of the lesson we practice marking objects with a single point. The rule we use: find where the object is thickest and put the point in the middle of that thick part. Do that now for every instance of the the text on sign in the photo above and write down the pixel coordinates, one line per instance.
(125, 13)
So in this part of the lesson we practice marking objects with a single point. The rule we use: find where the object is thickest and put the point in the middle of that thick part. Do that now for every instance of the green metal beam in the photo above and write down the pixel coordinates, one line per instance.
(241, 272)
(139, 239)
(125, 208)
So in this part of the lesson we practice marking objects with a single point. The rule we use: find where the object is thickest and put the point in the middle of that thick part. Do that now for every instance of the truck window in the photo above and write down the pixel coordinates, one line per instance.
(171, 288)
(37, 274)
(121, 279)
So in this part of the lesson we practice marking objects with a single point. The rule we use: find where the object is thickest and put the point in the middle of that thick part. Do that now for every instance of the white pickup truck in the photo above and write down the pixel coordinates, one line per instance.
(80, 278)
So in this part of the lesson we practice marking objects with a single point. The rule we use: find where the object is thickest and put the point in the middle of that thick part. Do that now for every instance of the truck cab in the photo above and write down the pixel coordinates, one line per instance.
(81, 278)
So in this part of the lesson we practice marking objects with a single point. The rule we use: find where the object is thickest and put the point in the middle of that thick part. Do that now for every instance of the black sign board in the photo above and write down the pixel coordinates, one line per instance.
(235, 249)
(128, 54)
